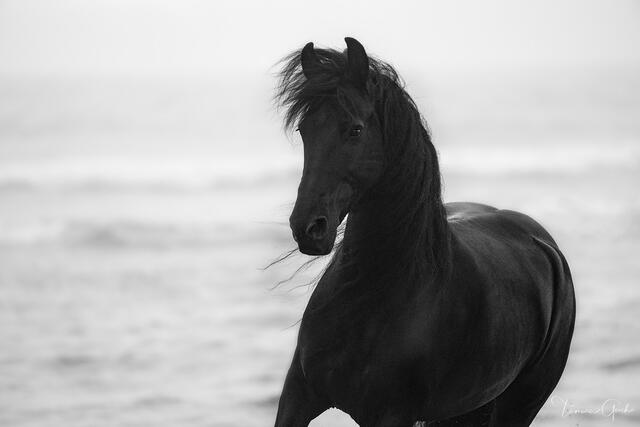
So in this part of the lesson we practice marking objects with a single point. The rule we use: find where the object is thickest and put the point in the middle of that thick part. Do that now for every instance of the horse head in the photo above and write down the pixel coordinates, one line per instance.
(343, 152)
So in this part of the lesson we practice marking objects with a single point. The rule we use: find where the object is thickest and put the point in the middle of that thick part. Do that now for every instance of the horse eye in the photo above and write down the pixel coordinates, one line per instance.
(355, 131)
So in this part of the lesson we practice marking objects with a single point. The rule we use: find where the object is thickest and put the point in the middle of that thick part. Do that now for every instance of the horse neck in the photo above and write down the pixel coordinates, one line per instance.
(399, 227)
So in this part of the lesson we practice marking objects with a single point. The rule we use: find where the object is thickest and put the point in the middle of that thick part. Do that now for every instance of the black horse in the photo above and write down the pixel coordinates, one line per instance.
(444, 314)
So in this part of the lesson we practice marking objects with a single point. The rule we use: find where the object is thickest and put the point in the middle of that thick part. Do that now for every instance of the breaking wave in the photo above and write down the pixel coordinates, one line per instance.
(132, 234)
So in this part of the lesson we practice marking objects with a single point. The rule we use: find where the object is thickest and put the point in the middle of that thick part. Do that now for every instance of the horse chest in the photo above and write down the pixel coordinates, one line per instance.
(350, 362)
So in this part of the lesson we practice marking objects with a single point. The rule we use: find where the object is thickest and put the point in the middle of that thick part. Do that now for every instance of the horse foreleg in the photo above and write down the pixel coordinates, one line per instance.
(298, 404)
(481, 417)
(390, 419)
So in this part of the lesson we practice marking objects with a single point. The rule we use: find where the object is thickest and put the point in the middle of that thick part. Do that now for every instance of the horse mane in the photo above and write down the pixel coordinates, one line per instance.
(417, 238)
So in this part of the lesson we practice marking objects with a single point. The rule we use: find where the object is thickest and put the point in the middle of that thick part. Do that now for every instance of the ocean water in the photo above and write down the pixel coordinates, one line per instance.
(136, 219)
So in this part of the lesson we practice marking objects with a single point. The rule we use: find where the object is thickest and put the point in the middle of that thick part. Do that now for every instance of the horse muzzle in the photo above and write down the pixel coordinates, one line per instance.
(315, 235)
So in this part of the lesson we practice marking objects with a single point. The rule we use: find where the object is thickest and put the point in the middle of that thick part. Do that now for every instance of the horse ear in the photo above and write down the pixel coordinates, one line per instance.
(357, 62)
(309, 60)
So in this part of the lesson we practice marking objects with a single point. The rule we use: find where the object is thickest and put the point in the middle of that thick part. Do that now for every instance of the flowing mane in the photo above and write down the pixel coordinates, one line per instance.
(415, 237)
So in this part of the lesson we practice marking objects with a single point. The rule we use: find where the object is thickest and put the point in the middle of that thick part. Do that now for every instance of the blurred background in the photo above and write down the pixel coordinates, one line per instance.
(145, 182)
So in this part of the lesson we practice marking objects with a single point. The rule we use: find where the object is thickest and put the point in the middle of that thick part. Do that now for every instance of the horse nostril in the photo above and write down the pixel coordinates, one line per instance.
(317, 229)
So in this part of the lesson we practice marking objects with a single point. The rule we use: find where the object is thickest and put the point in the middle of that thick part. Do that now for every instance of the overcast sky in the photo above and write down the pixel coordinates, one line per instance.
(189, 36)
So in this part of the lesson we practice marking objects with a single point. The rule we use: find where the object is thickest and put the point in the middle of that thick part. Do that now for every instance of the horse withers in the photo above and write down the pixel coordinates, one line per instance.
(454, 313)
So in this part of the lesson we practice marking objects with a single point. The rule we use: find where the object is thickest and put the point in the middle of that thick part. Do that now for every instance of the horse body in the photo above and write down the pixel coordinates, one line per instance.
(431, 354)
(458, 313)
